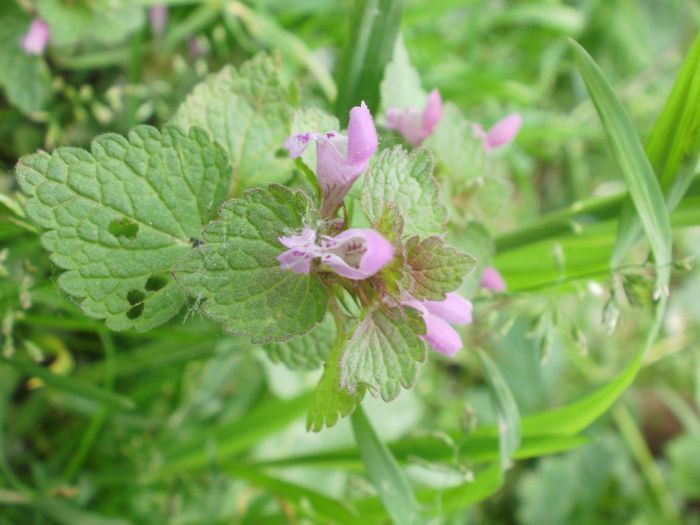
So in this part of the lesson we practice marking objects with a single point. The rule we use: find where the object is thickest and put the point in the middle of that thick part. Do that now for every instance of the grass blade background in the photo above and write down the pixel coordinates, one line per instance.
(633, 163)
(384, 472)
(375, 26)
(672, 148)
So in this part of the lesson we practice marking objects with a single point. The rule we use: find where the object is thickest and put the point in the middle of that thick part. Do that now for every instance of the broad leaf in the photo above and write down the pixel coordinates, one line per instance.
(405, 179)
(25, 79)
(383, 352)
(237, 278)
(100, 21)
(118, 217)
(307, 352)
(330, 401)
(435, 268)
(456, 149)
(401, 86)
(633, 163)
(248, 112)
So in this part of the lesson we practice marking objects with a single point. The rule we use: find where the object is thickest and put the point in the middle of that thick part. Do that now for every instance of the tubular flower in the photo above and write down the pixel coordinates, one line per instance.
(158, 17)
(501, 133)
(340, 159)
(355, 253)
(438, 316)
(414, 125)
(491, 279)
(37, 37)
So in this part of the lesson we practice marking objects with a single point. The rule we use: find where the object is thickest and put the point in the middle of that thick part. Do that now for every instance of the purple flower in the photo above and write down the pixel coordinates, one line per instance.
(414, 125)
(355, 253)
(491, 279)
(158, 16)
(37, 37)
(501, 133)
(438, 316)
(339, 158)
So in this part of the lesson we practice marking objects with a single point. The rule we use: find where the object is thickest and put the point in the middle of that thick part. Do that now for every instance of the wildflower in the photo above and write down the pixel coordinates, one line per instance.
(158, 16)
(438, 316)
(501, 133)
(355, 253)
(491, 279)
(414, 125)
(340, 159)
(37, 37)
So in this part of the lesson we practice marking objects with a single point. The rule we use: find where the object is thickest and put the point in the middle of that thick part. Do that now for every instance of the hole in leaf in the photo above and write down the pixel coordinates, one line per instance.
(123, 227)
(155, 283)
(135, 311)
(195, 242)
(135, 296)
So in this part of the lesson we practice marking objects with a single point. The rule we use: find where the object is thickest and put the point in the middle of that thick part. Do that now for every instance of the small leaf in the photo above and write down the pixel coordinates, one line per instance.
(307, 352)
(330, 401)
(435, 268)
(405, 179)
(100, 21)
(247, 111)
(401, 86)
(123, 212)
(236, 275)
(26, 79)
(383, 470)
(383, 352)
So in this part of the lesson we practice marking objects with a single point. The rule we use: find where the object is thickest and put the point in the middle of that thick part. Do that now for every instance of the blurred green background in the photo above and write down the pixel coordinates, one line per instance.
(90, 459)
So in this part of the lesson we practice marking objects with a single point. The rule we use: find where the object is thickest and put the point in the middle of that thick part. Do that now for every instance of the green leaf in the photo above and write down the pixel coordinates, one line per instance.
(383, 352)
(236, 276)
(307, 352)
(401, 86)
(25, 78)
(435, 267)
(118, 217)
(633, 163)
(673, 149)
(405, 179)
(382, 469)
(248, 112)
(375, 26)
(456, 149)
(99, 21)
(330, 401)
(506, 410)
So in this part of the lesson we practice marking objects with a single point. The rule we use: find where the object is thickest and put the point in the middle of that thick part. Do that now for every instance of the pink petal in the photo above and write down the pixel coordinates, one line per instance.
(491, 279)
(158, 15)
(441, 336)
(302, 250)
(432, 113)
(362, 135)
(296, 144)
(335, 176)
(37, 37)
(357, 253)
(503, 131)
(454, 309)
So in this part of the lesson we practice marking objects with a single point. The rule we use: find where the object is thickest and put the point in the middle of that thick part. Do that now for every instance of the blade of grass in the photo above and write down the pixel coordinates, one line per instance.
(506, 410)
(375, 26)
(383, 470)
(673, 148)
(638, 173)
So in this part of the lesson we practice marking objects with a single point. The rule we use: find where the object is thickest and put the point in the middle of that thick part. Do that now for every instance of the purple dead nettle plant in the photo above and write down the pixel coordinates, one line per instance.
(158, 18)
(359, 254)
(491, 279)
(36, 38)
